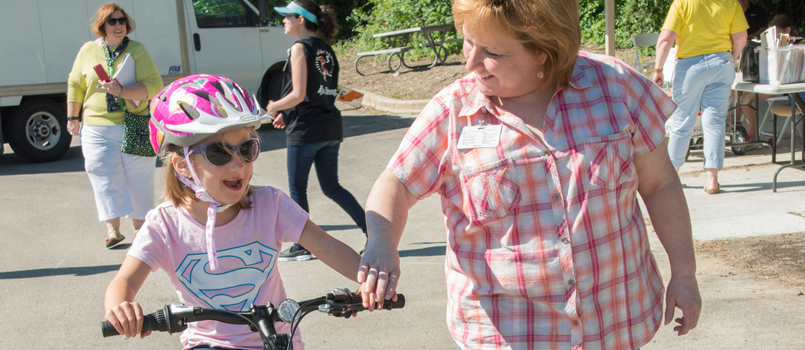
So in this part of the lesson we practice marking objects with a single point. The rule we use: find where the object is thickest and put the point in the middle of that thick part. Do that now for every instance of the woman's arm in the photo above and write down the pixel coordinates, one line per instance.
(738, 43)
(73, 110)
(136, 91)
(330, 251)
(298, 79)
(664, 43)
(122, 311)
(661, 191)
(386, 214)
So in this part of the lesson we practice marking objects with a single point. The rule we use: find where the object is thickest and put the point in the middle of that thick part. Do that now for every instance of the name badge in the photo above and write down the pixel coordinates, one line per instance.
(479, 136)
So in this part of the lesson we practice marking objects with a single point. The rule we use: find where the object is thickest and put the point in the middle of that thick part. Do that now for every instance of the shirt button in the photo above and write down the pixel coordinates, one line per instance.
(556, 197)
(546, 153)
(570, 282)
(564, 240)
(575, 322)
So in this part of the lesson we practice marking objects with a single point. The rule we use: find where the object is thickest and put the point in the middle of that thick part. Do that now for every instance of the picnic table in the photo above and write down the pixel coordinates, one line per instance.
(400, 42)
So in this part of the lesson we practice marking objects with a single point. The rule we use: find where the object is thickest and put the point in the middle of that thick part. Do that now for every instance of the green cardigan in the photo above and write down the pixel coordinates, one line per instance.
(83, 81)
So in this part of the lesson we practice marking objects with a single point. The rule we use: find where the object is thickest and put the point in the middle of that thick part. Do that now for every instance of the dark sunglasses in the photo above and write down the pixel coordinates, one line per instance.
(291, 15)
(220, 154)
(114, 21)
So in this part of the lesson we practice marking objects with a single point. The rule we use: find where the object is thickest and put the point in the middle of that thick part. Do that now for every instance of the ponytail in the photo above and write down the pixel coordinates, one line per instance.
(326, 26)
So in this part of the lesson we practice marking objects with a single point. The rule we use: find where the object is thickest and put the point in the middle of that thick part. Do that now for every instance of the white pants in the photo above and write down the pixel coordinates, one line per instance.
(123, 183)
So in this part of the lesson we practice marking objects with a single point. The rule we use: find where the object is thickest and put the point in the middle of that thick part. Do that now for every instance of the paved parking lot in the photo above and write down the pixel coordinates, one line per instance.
(54, 268)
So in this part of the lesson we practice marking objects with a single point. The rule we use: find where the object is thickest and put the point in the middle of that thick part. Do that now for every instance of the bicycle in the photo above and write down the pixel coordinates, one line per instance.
(173, 318)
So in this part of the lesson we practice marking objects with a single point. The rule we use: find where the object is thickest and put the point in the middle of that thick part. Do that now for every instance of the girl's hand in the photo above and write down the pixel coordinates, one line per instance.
(278, 122)
(127, 318)
(73, 127)
(369, 299)
(112, 88)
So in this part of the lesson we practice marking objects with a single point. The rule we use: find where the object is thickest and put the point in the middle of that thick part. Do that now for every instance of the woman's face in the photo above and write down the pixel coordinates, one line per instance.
(292, 23)
(226, 183)
(502, 67)
(115, 32)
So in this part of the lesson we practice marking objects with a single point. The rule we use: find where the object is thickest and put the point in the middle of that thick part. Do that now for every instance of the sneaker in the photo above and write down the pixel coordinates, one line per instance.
(295, 254)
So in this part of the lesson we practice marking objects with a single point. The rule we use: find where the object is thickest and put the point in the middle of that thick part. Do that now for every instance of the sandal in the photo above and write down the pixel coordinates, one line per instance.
(713, 190)
(113, 238)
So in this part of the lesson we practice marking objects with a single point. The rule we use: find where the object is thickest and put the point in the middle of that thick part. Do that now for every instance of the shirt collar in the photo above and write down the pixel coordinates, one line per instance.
(476, 101)
(581, 71)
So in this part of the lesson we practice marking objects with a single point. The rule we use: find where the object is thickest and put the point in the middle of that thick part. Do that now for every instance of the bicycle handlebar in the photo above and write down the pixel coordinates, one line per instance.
(173, 318)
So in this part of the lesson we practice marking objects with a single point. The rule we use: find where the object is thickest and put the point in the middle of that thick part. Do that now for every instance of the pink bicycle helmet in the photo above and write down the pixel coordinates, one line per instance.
(191, 109)
(195, 107)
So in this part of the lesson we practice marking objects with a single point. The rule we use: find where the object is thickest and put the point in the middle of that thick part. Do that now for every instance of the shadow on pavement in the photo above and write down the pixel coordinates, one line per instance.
(60, 271)
(429, 251)
(337, 227)
(354, 125)
(73, 161)
(272, 139)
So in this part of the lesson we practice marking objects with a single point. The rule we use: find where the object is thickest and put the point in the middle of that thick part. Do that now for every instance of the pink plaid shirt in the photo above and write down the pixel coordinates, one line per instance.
(546, 243)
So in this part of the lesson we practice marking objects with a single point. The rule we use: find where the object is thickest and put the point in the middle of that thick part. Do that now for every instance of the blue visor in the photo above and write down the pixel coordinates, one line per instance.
(293, 8)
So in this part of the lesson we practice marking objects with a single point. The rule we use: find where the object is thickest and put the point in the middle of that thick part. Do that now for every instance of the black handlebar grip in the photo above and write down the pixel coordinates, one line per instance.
(152, 322)
(391, 304)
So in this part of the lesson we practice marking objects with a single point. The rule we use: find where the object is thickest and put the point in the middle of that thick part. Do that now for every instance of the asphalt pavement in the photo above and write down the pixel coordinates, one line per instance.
(55, 270)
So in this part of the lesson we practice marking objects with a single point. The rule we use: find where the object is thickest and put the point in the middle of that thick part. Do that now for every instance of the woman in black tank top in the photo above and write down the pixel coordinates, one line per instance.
(308, 114)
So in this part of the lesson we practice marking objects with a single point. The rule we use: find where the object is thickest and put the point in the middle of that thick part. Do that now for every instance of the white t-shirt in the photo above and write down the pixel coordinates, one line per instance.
(247, 250)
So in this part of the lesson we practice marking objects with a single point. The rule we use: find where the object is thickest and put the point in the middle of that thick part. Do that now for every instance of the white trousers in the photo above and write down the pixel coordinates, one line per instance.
(123, 183)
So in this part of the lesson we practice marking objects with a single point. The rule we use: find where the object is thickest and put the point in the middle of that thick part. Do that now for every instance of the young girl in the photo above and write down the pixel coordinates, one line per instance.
(309, 117)
(204, 126)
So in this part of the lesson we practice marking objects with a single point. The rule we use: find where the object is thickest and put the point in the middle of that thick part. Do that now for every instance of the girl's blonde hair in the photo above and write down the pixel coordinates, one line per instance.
(178, 193)
(549, 26)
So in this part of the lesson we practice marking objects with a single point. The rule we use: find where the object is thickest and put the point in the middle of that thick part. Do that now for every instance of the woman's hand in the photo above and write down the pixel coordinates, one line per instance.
(74, 127)
(683, 293)
(657, 78)
(278, 122)
(378, 274)
(127, 318)
(112, 87)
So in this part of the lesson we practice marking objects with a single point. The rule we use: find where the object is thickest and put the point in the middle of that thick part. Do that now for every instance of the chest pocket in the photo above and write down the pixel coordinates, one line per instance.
(609, 160)
(491, 190)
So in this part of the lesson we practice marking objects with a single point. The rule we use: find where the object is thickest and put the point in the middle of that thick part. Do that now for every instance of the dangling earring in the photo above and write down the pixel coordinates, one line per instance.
(539, 75)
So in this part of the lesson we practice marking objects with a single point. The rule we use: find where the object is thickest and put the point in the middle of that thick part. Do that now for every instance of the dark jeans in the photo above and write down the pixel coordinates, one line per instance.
(325, 156)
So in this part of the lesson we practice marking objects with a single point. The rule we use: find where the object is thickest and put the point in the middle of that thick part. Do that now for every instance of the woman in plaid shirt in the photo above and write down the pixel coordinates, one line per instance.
(538, 156)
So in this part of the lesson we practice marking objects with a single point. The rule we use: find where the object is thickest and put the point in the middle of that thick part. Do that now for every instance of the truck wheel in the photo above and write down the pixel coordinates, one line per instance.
(273, 88)
(38, 131)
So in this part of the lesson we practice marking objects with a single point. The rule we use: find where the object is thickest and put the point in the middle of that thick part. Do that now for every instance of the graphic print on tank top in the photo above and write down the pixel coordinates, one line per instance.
(234, 286)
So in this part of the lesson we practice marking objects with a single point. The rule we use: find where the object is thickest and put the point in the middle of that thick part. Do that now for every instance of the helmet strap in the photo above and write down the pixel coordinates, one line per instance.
(215, 207)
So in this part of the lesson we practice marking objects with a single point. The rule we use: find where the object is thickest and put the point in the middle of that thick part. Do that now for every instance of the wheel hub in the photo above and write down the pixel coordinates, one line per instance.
(41, 130)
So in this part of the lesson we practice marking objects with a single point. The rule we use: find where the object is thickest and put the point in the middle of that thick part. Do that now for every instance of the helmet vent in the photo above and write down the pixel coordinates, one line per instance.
(203, 94)
(191, 112)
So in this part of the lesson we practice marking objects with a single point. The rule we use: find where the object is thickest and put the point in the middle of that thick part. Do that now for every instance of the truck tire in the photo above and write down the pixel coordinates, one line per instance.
(273, 87)
(38, 131)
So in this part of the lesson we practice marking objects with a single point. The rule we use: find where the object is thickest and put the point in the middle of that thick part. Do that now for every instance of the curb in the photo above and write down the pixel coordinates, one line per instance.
(393, 105)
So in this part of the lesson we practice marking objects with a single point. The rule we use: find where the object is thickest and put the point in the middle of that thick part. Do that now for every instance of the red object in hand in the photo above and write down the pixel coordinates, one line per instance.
(102, 76)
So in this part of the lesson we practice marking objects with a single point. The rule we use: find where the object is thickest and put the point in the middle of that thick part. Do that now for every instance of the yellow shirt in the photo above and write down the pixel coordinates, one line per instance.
(83, 81)
(704, 26)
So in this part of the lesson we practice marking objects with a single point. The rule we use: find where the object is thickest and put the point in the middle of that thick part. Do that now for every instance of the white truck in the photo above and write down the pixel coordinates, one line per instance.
(39, 40)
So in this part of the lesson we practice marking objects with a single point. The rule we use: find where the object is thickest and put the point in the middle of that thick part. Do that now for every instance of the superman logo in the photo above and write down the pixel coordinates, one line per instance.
(235, 284)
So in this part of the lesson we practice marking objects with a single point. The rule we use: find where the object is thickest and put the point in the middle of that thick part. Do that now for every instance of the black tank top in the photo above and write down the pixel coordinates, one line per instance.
(315, 119)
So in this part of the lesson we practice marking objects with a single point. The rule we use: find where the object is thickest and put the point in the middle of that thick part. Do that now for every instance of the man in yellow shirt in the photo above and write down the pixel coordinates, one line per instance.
(710, 35)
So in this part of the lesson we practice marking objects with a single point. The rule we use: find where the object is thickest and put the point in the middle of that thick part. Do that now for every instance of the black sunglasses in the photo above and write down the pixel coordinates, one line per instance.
(114, 21)
(220, 154)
